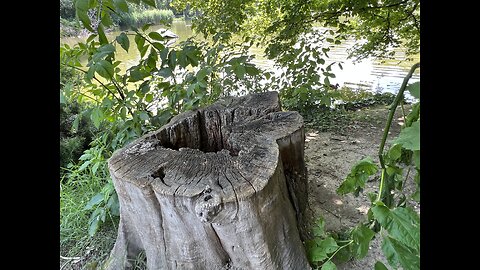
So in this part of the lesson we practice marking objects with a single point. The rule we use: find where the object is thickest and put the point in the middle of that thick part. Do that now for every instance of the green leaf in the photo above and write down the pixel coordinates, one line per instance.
(326, 81)
(84, 165)
(362, 236)
(414, 89)
(156, 36)
(96, 116)
(358, 176)
(122, 5)
(317, 254)
(159, 46)
(137, 74)
(165, 72)
(329, 266)
(81, 8)
(101, 35)
(172, 59)
(319, 229)
(202, 73)
(329, 245)
(140, 41)
(380, 266)
(123, 40)
(396, 253)
(85, 156)
(95, 167)
(150, 3)
(103, 52)
(149, 97)
(106, 19)
(114, 205)
(97, 199)
(94, 224)
(414, 115)
(252, 70)
(395, 152)
(104, 69)
(410, 137)
(401, 223)
(146, 26)
(144, 115)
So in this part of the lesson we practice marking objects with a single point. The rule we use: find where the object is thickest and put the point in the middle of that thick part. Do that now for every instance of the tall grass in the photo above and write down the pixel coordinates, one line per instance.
(154, 16)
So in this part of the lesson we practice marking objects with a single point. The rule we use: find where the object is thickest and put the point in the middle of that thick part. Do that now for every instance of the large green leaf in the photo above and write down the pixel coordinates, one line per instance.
(103, 52)
(156, 36)
(97, 199)
(414, 115)
(104, 69)
(122, 39)
(122, 5)
(96, 116)
(396, 253)
(414, 89)
(328, 244)
(358, 176)
(329, 266)
(81, 8)
(140, 41)
(401, 223)
(395, 152)
(317, 254)
(362, 236)
(202, 73)
(410, 137)
(240, 71)
(113, 205)
(101, 35)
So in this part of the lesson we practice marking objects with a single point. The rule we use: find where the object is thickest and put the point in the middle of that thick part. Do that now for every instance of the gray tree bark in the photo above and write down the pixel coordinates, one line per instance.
(223, 187)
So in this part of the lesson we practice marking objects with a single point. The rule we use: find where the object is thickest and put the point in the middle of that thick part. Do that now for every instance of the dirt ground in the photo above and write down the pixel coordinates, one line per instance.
(329, 157)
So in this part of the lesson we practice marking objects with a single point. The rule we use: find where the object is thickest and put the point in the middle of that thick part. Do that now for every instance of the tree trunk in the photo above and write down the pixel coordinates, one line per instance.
(223, 187)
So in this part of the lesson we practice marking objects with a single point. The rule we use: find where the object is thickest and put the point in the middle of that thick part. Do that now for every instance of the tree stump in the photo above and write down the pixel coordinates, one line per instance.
(222, 187)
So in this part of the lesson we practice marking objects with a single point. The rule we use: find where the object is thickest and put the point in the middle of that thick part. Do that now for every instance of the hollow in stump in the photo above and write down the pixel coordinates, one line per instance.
(221, 187)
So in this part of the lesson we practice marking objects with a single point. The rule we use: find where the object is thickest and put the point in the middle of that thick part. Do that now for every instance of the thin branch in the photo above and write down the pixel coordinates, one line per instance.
(104, 86)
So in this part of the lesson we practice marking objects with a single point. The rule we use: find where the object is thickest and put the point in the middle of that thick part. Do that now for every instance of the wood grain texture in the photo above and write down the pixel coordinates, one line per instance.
(223, 187)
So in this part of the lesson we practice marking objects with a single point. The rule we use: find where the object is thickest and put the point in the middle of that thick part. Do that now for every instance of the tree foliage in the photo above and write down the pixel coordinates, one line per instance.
(380, 25)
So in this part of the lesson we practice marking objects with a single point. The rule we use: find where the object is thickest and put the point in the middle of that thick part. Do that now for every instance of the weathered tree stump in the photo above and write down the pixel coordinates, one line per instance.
(223, 187)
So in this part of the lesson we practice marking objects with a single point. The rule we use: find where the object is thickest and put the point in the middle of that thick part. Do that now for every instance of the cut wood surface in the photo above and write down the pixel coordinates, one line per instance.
(222, 187)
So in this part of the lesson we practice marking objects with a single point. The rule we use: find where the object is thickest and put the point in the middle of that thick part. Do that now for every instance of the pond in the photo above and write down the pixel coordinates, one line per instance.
(376, 75)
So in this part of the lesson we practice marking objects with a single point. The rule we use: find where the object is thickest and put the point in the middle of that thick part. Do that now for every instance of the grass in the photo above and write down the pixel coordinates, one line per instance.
(154, 16)
(75, 192)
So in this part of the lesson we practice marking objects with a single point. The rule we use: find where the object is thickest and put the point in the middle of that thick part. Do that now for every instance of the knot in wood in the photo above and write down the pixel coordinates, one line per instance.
(208, 206)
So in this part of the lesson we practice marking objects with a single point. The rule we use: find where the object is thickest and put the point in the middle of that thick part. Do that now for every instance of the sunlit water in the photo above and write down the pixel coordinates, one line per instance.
(369, 74)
